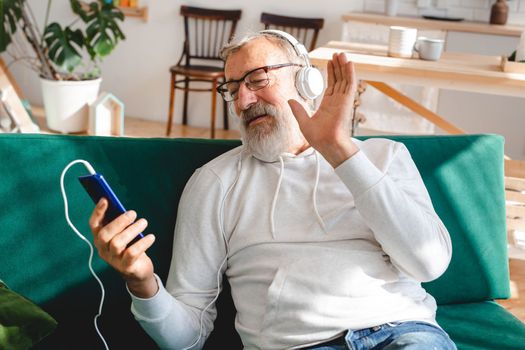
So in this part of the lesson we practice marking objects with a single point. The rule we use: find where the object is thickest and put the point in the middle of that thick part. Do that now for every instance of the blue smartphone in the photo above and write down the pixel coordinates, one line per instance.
(97, 187)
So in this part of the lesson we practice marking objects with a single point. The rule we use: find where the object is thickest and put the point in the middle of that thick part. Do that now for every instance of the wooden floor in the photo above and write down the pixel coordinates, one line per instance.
(145, 128)
(134, 127)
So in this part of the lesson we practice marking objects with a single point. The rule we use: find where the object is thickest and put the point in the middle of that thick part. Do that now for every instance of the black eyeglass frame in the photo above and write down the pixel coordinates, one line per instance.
(222, 90)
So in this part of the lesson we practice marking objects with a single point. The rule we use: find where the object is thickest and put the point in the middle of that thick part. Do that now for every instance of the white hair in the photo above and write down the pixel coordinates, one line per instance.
(238, 43)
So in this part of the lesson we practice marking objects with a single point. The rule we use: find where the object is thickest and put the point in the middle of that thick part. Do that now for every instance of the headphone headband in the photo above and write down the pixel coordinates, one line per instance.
(299, 48)
(308, 80)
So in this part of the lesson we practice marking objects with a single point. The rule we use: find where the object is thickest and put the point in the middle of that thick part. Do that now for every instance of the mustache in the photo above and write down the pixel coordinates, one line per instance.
(257, 110)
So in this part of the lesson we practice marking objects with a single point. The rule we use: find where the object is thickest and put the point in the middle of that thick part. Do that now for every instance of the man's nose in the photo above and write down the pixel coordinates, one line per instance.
(246, 97)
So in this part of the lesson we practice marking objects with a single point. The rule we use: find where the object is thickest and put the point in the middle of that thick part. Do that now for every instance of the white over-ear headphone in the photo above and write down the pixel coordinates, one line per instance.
(309, 80)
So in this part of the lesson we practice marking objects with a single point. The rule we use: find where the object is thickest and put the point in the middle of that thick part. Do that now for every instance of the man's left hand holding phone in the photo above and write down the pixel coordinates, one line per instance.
(118, 238)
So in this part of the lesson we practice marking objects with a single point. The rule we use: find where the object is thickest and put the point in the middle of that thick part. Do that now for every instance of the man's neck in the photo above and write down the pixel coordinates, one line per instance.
(299, 148)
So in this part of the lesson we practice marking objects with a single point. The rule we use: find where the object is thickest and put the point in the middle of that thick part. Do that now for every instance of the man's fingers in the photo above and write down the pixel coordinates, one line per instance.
(299, 112)
(116, 226)
(330, 78)
(350, 74)
(135, 251)
(342, 58)
(343, 81)
(338, 75)
(95, 220)
(120, 241)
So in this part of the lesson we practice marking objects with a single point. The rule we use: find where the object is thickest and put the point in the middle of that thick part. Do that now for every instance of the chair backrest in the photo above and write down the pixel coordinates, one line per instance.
(303, 29)
(206, 31)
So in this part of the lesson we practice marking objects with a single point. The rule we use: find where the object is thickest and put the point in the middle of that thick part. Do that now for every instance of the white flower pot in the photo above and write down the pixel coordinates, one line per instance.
(66, 103)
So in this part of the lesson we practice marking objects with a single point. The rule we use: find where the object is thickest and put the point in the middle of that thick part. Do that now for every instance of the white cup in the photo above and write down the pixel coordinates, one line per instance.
(391, 7)
(401, 41)
(429, 49)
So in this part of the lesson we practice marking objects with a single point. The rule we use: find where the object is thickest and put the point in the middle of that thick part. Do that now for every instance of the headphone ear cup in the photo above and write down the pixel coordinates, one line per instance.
(309, 82)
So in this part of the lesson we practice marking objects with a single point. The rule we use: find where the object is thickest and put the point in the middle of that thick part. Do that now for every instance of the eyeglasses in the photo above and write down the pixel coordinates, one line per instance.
(254, 80)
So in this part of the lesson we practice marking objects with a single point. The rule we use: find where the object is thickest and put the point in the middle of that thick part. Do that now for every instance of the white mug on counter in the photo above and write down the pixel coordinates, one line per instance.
(429, 49)
(401, 41)
(391, 7)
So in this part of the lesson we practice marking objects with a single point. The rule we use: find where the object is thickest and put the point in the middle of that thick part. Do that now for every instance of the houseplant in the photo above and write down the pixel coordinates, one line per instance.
(67, 57)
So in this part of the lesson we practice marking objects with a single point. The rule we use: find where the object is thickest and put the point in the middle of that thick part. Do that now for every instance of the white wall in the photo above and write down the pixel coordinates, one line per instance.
(138, 71)
(483, 113)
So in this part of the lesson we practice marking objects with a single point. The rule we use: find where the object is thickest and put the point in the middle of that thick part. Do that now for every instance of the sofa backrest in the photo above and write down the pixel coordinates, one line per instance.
(41, 258)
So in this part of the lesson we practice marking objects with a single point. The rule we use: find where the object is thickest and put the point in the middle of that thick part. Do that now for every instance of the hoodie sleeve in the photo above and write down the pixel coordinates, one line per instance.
(174, 315)
(396, 206)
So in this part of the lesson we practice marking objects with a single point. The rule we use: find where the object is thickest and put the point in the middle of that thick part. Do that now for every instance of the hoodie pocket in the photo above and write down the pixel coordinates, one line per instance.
(316, 294)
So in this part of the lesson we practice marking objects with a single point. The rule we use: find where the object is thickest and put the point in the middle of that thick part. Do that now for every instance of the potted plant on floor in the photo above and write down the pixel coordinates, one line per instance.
(66, 58)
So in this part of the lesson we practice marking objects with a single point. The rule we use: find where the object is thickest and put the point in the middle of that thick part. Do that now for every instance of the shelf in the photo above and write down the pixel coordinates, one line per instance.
(430, 24)
(139, 12)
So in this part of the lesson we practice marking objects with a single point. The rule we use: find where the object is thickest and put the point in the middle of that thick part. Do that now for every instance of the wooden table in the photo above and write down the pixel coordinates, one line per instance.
(454, 71)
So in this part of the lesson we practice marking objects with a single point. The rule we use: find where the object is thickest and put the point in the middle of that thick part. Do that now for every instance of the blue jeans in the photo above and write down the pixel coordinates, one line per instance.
(411, 335)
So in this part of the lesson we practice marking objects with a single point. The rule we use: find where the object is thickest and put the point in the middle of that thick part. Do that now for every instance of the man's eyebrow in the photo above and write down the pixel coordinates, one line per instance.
(233, 79)
(226, 78)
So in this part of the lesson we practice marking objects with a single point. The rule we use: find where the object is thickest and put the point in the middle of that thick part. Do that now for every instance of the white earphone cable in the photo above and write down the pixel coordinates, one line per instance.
(201, 318)
(91, 251)
(82, 237)
(207, 306)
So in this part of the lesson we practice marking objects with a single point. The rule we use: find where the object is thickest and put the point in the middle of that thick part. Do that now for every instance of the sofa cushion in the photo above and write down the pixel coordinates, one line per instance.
(464, 176)
(47, 262)
(483, 325)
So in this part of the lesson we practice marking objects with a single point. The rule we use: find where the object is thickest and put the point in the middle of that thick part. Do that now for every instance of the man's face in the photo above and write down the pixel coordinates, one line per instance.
(267, 123)
(259, 53)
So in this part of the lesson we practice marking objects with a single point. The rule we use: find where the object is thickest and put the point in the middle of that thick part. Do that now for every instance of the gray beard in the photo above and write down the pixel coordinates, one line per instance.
(268, 140)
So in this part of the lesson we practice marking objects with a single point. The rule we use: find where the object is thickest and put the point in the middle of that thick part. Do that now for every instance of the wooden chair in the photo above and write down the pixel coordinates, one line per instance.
(303, 29)
(205, 31)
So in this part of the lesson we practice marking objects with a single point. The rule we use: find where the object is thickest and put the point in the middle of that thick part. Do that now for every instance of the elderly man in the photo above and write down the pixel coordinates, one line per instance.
(324, 239)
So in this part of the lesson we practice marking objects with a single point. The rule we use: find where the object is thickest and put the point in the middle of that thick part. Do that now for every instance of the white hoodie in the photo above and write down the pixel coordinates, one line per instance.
(309, 252)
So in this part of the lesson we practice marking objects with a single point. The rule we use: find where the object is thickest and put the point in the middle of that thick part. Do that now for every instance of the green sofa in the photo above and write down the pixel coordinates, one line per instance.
(42, 259)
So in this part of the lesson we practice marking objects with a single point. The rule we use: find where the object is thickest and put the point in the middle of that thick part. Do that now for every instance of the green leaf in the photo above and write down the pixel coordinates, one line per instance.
(3, 36)
(512, 56)
(11, 13)
(22, 322)
(103, 32)
(64, 46)
(77, 9)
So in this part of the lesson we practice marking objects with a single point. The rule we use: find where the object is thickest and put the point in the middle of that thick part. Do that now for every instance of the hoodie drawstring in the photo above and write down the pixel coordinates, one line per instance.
(314, 194)
(239, 167)
(276, 194)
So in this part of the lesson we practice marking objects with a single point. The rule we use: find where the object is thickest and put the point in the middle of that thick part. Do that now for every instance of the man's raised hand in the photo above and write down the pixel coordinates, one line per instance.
(329, 128)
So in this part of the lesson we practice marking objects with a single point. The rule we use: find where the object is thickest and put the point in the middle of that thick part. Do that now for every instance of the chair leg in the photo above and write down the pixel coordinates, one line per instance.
(213, 105)
(185, 109)
(172, 103)
(225, 114)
